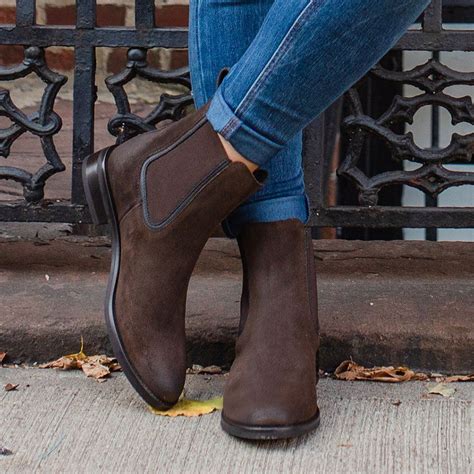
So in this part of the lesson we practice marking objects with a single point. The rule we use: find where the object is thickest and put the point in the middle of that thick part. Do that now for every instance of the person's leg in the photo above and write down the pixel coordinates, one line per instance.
(164, 192)
(220, 31)
(305, 55)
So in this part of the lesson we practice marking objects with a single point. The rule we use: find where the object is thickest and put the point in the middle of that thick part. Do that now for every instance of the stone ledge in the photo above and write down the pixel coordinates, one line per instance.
(380, 302)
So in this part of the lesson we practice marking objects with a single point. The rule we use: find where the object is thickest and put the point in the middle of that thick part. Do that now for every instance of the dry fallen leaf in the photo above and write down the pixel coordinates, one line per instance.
(96, 366)
(187, 408)
(459, 378)
(5, 451)
(99, 366)
(349, 370)
(67, 362)
(63, 363)
(10, 387)
(442, 389)
(3, 356)
(95, 370)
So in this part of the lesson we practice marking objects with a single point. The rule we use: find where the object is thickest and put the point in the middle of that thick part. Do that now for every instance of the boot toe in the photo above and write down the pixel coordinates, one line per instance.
(162, 376)
(268, 415)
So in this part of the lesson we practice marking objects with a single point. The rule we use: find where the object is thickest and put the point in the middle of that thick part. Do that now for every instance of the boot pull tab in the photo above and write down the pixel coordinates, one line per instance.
(222, 73)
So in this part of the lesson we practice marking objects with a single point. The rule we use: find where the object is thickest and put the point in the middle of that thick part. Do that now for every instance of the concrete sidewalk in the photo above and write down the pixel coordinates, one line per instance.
(63, 422)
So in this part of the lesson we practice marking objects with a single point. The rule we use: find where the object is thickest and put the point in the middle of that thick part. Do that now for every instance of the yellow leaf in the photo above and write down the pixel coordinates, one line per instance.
(186, 407)
(78, 355)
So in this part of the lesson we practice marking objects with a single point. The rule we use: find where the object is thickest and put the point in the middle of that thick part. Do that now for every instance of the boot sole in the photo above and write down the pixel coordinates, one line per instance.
(102, 210)
(269, 432)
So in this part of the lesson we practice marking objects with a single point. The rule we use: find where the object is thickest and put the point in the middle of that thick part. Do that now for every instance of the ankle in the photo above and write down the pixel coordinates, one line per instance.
(234, 155)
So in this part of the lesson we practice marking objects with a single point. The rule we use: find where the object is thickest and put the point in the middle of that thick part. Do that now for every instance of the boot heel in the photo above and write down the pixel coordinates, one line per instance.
(92, 177)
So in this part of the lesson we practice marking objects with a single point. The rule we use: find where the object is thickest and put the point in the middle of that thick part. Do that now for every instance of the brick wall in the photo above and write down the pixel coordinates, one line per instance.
(169, 13)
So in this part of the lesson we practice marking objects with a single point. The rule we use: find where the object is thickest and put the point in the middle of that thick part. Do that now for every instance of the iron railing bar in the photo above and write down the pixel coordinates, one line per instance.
(45, 212)
(431, 233)
(44, 36)
(86, 14)
(84, 98)
(433, 17)
(313, 147)
(87, 36)
(339, 216)
(85, 93)
(446, 40)
(25, 13)
(144, 14)
(393, 217)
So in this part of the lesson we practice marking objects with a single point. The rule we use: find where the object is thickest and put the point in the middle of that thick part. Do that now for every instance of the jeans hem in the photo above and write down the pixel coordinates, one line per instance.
(269, 210)
(251, 144)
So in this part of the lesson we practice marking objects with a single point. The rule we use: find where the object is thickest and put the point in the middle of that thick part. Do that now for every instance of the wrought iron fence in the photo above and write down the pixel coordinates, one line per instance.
(358, 125)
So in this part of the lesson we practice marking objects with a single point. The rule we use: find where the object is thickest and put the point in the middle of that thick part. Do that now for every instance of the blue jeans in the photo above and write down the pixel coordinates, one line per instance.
(289, 59)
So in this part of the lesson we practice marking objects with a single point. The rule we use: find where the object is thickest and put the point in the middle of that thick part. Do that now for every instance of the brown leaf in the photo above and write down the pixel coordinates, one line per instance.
(349, 370)
(459, 378)
(63, 363)
(5, 451)
(96, 366)
(67, 362)
(3, 356)
(95, 370)
(10, 387)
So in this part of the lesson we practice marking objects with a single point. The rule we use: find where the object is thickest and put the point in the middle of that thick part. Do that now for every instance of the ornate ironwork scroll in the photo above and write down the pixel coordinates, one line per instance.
(126, 124)
(44, 123)
(431, 177)
(84, 37)
(375, 146)
(433, 79)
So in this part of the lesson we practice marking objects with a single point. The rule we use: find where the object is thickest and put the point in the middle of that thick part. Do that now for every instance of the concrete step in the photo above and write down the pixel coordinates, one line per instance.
(380, 302)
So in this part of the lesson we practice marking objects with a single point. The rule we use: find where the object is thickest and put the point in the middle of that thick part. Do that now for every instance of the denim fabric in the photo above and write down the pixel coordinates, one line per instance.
(219, 33)
(290, 60)
(304, 56)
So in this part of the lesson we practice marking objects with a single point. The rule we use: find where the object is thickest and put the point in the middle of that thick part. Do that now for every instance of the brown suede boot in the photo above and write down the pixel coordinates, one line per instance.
(164, 193)
(271, 390)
